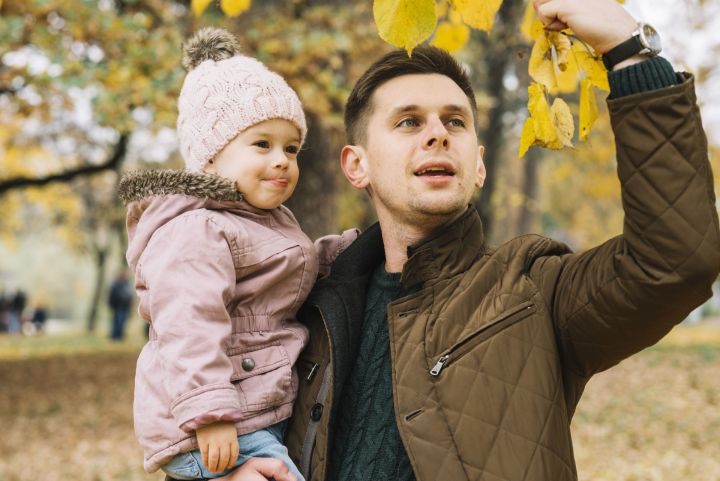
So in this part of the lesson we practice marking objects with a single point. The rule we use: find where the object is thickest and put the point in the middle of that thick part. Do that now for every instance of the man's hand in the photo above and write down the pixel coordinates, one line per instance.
(602, 24)
(260, 469)
(218, 445)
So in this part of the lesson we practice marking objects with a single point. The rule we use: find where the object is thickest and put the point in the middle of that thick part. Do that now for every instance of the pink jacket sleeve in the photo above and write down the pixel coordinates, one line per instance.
(190, 275)
(330, 246)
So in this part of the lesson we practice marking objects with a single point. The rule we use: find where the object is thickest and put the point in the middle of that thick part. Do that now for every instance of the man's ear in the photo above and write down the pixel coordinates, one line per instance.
(480, 179)
(354, 166)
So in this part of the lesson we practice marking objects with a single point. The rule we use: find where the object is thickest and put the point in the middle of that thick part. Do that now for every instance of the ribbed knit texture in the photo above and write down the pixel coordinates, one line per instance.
(367, 444)
(651, 74)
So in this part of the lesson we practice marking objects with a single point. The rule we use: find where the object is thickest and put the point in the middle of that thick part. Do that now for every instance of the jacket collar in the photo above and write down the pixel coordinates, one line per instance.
(449, 250)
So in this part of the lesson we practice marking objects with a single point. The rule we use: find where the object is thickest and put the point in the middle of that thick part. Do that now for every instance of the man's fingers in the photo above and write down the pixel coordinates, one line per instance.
(548, 14)
(271, 468)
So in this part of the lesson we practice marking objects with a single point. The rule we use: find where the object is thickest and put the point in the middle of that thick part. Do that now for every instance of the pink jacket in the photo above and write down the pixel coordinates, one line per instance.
(220, 283)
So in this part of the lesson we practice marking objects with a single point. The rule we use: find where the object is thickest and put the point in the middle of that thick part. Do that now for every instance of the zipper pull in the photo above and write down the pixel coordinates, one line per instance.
(439, 365)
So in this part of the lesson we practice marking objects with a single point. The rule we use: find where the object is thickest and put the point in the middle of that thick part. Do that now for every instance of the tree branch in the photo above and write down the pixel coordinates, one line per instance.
(111, 163)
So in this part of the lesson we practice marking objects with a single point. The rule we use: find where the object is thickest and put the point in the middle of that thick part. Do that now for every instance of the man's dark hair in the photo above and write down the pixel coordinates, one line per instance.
(424, 60)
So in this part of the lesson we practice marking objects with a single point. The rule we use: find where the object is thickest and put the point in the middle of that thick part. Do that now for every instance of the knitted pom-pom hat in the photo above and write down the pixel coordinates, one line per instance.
(224, 93)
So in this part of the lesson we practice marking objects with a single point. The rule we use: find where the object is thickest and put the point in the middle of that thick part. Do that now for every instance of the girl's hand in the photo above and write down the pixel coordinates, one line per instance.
(218, 445)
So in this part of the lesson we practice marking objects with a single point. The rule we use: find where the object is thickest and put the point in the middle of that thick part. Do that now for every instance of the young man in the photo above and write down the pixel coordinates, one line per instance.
(433, 357)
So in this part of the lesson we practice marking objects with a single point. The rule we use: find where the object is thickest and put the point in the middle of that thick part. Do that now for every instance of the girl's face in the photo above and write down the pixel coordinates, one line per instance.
(262, 161)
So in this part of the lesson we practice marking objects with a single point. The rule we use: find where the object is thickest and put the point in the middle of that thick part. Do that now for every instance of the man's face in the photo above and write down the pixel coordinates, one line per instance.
(420, 159)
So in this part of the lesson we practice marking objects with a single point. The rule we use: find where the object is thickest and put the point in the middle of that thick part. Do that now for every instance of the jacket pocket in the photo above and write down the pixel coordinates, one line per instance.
(262, 376)
(469, 342)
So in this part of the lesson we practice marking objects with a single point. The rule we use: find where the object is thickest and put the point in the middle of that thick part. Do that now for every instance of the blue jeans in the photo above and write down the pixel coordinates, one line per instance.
(264, 443)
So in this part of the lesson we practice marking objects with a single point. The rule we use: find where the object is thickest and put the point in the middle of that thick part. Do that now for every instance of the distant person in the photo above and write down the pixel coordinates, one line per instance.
(221, 268)
(17, 307)
(4, 312)
(39, 318)
(120, 300)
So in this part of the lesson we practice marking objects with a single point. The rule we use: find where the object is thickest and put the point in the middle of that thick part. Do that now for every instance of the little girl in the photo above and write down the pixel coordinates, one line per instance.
(221, 268)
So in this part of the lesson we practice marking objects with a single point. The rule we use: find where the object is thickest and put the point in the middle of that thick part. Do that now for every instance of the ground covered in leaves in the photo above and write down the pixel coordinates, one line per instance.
(654, 417)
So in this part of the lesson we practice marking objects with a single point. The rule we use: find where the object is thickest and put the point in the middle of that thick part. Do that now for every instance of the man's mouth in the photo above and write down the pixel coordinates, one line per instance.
(435, 170)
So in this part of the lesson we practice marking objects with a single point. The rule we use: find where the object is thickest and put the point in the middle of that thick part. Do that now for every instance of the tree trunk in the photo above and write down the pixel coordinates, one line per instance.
(528, 208)
(100, 262)
(499, 49)
(313, 202)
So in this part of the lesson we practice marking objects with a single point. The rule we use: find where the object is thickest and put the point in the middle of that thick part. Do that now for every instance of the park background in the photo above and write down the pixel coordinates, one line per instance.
(88, 91)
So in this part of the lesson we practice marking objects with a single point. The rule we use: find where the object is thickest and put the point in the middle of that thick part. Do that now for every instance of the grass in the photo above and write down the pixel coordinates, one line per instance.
(66, 411)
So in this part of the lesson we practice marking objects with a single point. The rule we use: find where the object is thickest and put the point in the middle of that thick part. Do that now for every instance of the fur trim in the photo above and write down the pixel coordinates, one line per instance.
(138, 184)
(208, 44)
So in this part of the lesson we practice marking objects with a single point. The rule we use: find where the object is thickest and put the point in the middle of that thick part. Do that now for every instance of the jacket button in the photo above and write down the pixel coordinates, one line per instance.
(316, 412)
(248, 364)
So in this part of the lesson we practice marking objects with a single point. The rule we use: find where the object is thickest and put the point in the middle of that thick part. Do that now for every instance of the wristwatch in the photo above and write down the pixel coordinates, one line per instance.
(644, 41)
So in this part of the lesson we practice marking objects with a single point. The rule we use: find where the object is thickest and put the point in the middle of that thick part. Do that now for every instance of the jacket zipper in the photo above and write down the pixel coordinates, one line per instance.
(466, 345)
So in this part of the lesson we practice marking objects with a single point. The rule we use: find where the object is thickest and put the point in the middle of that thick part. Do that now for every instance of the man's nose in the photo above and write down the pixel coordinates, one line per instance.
(436, 134)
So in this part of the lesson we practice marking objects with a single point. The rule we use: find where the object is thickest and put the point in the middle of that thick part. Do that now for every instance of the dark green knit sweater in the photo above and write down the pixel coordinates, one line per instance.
(367, 445)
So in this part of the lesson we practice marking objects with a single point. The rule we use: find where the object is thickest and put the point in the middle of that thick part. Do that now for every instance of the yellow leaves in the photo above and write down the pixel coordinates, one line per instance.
(451, 37)
(547, 126)
(477, 13)
(592, 65)
(199, 6)
(405, 23)
(588, 108)
(233, 8)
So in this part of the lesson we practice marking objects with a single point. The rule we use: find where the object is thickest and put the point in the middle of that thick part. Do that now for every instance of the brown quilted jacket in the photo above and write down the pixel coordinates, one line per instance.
(492, 351)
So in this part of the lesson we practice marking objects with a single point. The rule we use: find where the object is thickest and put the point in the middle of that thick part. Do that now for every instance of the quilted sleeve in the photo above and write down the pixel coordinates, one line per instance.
(190, 276)
(626, 294)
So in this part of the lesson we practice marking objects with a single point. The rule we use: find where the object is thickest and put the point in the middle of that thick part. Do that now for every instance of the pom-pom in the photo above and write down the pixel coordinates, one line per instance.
(209, 43)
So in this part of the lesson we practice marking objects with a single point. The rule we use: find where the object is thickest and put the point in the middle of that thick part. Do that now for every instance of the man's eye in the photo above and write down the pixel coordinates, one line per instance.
(263, 144)
(457, 122)
(408, 123)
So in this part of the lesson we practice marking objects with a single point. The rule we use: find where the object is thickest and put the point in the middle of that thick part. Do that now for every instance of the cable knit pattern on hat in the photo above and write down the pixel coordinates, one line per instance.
(220, 99)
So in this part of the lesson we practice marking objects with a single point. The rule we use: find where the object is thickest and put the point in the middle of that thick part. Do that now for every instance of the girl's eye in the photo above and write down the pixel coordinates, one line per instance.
(457, 122)
(263, 144)
(410, 122)
(292, 149)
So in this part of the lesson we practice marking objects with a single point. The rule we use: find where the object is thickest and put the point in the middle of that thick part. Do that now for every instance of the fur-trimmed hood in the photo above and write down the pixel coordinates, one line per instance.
(139, 184)
(155, 197)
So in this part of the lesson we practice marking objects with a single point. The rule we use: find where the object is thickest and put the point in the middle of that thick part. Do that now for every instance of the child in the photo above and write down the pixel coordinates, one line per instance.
(221, 268)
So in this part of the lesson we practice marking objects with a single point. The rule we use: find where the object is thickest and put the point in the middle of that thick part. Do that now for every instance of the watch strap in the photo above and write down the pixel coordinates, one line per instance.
(623, 51)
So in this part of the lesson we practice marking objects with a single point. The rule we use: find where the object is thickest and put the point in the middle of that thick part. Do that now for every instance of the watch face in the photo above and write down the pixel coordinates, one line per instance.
(650, 39)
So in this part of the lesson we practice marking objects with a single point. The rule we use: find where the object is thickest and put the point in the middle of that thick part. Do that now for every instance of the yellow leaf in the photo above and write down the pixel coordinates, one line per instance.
(233, 8)
(588, 108)
(540, 67)
(562, 48)
(404, 23)
(527, 138)
(441, 9)
(531, 26)
(566, 82)
(477, 13)
(451, 37)
(562, 120)
(199, 6)
(540, 113)
(593, 67)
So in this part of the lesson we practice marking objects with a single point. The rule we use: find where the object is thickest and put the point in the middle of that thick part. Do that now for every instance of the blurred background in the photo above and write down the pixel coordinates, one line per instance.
(88, 90)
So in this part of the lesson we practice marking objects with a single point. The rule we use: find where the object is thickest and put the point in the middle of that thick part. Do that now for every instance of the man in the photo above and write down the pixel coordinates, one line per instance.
(433, 357)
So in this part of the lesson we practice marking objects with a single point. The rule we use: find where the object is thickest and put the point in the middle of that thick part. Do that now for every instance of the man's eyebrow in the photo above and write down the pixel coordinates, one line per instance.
(453, 108)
